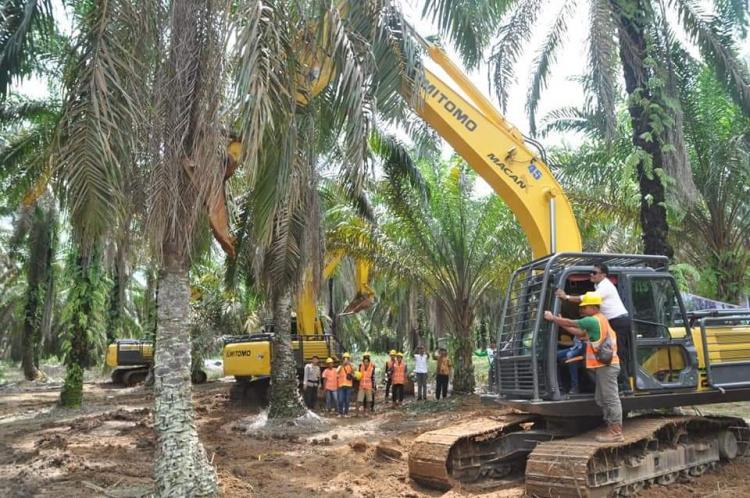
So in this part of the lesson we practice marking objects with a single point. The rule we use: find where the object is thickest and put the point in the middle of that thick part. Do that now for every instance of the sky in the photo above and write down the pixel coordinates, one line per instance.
(561, 89)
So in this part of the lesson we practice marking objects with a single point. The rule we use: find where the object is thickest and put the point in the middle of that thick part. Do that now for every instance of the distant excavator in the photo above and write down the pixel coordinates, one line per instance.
(248, 357)
(679, 358)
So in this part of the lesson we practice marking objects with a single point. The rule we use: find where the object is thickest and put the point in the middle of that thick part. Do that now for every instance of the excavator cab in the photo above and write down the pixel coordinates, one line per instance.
(667, 353)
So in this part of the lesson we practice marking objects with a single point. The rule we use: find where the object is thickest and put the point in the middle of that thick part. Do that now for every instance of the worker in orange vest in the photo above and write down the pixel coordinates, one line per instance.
(601, 359)
(345, 378)
(366, 392)
(330, 385)
(398, 378)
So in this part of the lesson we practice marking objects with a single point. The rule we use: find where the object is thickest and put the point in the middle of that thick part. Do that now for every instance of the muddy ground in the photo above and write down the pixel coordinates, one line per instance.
(106, 449)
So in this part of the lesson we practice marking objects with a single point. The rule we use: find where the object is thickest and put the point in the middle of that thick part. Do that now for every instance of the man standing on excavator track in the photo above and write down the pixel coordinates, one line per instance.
(601, 357)
(617, 315)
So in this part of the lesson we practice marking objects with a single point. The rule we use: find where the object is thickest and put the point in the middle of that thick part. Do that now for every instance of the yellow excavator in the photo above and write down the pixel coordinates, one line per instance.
(678, 358)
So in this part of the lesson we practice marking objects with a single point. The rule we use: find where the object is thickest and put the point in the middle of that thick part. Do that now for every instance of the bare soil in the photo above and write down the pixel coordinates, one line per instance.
(106, 448)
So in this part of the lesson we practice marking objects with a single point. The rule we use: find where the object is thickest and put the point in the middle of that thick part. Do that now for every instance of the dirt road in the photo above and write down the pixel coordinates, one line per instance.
(106, 449)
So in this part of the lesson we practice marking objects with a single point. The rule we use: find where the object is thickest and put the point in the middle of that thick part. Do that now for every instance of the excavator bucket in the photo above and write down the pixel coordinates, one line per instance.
(360, 302)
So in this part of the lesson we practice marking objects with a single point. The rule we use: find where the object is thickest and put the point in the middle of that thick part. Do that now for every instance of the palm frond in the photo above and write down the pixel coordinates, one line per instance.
(602, 53)
(189, 145)
(717, 46)
(97, 134)
(545, 58)
(24, 24)
(513, 36)
(468, 24)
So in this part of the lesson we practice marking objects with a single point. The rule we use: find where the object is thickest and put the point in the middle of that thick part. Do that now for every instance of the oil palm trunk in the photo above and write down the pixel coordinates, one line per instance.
(463, 371)
(39, 281)
(181, 466)
(86, 307)
(634, 17)
(285, 400)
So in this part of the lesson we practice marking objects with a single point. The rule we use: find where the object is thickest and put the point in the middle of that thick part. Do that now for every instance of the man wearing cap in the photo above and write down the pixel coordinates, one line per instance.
(601, 358)
(388, 364)
(615, 312)
(420, 369)
(366, 391)
(310, 381)
(345, 380)
(330, 385)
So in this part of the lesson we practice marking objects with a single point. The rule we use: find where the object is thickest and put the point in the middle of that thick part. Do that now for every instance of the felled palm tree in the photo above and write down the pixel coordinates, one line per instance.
(451, 244)
(633, 36)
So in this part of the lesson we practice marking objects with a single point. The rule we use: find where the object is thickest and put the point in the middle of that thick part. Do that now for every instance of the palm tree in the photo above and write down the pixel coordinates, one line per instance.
(95, 152)
(29, 129)
(187, 167)
(288, 118)
(636, 34)
(715, 230)
(454, 246)
(38, 225)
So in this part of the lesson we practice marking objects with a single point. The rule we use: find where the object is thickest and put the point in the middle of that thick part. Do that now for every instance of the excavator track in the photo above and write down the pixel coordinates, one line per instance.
(655, 451)
(467, 452)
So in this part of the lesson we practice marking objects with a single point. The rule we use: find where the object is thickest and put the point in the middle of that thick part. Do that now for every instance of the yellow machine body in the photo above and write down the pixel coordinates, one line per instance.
(253, 358)
(130, 353)
(247, 359)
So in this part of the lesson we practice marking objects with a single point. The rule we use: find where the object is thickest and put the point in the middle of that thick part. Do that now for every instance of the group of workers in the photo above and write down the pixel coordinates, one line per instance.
(337, 382)
(602, 337)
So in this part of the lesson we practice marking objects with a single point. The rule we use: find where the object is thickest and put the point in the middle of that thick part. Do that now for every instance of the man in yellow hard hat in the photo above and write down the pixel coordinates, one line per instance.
(366, 391)
(345, 380)
(388, 364)
(601, 358)
(616, 314)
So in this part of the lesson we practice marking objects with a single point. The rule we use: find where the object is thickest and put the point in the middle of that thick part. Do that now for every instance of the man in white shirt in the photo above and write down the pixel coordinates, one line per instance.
(617, 315)
(420, 369)
(310, 381)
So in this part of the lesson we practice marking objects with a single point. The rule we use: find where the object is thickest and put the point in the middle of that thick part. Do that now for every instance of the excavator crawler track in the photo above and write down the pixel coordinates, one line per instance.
(655, 451)
(466, 452)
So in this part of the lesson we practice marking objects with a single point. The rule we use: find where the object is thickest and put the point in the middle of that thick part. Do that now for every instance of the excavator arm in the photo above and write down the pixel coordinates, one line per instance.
(307, 300)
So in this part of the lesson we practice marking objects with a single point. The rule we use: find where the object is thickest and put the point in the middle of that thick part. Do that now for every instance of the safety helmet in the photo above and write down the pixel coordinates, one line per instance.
(400, 354)
(365, 355)
(358, 375)
(393, 352)
(591, 299)
(347, 355)
(329, 360)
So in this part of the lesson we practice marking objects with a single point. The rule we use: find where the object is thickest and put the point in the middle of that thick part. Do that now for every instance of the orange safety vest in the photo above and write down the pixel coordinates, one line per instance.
(366, 381)
(399, 373)
(604, 330)
(330, 376)
(343, 371)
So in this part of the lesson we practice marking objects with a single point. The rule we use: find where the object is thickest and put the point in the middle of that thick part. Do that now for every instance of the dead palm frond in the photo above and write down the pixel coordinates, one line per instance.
(188, 143)
(97, 142)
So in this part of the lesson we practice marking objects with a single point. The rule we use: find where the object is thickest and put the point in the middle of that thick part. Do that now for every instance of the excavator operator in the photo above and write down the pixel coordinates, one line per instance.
(601, 357)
